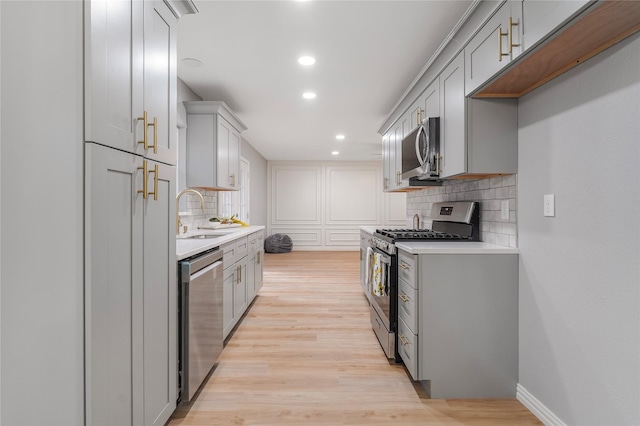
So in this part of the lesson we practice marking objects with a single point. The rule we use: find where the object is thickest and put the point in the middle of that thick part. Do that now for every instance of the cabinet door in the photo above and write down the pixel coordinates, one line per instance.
(160, 80)
(541, 17)
(385, 161)
(240, 291)
(251, 276)
(495, 45)
(259, 270)
(234, 159)
(393, 179)
(227, 300)
(432, 99)
(453, 143)
(113, 73)
(113, 287)
(223, 140)
(160, 296)
(396, 156)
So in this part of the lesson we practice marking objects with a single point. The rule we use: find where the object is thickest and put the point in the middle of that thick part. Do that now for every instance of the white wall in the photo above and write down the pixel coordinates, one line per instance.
(42, 213)
(579, 271)
(258, 181)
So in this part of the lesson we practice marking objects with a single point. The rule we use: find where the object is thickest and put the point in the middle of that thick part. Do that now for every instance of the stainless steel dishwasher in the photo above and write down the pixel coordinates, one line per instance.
(201, 339)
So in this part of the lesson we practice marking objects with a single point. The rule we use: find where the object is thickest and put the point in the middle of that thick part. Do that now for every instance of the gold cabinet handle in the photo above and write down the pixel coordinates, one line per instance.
(145, 137)
(511, 25)
(145, 189)
(145, 124)
(403, 298)
(155, 135)
(404, 266)
(500, 35)
(155, 182)
(259, 257)
(398, 178)
(403, 340)
(145, 186)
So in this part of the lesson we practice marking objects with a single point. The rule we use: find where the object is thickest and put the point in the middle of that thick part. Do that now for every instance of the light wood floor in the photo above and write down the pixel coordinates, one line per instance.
(305, 354)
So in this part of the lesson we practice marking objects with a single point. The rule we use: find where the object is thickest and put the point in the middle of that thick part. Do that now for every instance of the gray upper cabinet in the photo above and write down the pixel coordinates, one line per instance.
(452, 120)
(497, 43)
(213, 145)
(542, 17)
(478, 137)
(130, 77)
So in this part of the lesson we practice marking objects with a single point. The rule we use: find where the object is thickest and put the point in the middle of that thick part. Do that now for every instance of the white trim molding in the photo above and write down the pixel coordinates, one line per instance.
(534, 405)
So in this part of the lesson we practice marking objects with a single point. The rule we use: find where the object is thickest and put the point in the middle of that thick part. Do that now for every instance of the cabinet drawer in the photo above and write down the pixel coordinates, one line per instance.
(407, 297)
(407, 269)
(252, 241)
(260, 240)
(229, 254)
(408, 348)
(242, 247)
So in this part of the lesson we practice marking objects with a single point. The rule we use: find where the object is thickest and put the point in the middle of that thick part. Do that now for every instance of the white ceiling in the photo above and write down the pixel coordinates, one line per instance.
(367, 54)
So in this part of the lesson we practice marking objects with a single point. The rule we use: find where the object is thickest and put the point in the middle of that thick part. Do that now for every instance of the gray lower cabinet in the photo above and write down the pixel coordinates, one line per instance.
(130, 289)
(255, 243)
(242, 277)
(458, 326)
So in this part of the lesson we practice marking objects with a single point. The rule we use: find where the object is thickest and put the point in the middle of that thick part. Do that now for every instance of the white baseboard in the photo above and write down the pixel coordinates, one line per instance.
(543, 414)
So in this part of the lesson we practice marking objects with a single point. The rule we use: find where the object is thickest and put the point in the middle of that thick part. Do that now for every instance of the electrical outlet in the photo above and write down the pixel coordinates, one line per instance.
(504, 210)
(549, 205)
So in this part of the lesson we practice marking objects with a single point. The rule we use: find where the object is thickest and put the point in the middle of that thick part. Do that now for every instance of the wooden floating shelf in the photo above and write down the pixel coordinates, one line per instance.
(597, 29)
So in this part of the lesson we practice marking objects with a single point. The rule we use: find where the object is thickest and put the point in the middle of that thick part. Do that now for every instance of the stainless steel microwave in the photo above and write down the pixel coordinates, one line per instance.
(421, 151)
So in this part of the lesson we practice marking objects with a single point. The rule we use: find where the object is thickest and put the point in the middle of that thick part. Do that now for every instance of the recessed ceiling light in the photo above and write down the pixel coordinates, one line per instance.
(191, 62)
(334, 153)
(306, 60)
(308, 95)
(340, 137)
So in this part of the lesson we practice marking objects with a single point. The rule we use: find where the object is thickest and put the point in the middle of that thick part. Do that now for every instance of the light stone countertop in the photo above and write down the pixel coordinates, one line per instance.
(453, 247)
(369, 229)
(186, 247)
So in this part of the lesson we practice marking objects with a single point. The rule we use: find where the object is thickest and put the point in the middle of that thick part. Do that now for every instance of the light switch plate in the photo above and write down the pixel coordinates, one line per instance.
(504, 210)
(549, 205)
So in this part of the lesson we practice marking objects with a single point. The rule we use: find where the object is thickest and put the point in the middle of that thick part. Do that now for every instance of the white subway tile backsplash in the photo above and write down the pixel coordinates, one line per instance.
(488, 192)
(195, 216)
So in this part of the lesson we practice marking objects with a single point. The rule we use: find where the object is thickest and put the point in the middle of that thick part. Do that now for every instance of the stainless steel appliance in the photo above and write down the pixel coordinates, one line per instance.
(201, 342)
(453, 221)
(421, 152)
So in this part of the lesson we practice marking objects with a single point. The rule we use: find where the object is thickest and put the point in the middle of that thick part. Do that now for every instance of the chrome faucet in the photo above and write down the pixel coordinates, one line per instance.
(193, 191)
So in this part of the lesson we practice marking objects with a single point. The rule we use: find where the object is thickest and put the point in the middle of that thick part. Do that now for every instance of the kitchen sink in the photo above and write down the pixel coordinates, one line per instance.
(204, 235)
(201, 237)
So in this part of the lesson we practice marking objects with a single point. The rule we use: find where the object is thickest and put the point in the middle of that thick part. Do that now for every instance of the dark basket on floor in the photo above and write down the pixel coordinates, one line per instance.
(278, 243)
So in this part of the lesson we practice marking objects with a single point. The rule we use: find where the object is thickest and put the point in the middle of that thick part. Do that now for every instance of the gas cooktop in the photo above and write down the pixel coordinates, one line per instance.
(418, 234)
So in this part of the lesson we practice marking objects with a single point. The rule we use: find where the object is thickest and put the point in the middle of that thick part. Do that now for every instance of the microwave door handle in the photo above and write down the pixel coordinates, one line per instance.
(421, 160)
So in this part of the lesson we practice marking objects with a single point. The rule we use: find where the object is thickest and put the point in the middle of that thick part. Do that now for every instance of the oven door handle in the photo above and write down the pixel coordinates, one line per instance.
(384, 257)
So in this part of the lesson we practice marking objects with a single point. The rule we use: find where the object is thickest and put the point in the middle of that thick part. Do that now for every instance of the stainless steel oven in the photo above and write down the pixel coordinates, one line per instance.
(383, 285)
(452, 221)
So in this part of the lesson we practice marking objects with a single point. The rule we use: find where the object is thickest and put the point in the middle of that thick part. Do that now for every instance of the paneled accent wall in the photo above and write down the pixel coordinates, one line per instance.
(490, 193)
(322, 205)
